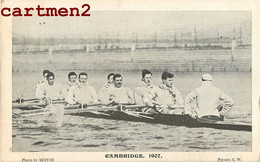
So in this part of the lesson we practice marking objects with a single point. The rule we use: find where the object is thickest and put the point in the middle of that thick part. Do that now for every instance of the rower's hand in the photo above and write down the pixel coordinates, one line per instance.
(175, 106)
(47, 101)
(194, 116)
(222, 113)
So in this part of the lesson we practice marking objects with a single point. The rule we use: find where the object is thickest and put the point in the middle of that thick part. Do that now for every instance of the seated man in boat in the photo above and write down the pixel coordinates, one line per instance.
(51, 90)
(40, 83)
(103, 94)
(143, 90)
(72, 81)
(82, 93)
(166, 98)
(119, 94)
(209, 100)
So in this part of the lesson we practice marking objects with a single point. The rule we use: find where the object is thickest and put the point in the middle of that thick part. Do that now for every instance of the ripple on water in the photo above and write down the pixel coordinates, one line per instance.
(159, 148)
(93, 127)
(42, 143)
(159, 137)
(90, 145)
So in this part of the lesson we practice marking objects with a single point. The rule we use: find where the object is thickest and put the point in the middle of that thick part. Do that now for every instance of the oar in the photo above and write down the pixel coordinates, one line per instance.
(81, 106)
(69, 109)
(28, 105)
(20, 100)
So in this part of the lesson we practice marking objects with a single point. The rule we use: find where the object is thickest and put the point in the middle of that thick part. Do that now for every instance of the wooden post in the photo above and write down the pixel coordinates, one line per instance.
(50, 54)
(132, 52)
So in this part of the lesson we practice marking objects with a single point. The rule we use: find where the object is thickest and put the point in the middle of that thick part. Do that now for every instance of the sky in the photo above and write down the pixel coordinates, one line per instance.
(125, 23)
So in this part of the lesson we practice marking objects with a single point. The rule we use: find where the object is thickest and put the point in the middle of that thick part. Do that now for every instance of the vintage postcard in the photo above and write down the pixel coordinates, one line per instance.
(130, 80)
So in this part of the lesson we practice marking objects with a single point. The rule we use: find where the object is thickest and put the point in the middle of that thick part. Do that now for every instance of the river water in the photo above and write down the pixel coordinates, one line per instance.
(80, 134)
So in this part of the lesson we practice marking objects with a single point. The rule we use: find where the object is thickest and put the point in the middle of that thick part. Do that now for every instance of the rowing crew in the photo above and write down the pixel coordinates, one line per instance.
(206, 100)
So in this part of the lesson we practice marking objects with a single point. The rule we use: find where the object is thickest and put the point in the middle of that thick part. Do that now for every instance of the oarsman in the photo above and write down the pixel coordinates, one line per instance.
(51, 90)
(209, 100)
(82, 93)
(103, 94)
(119, 94)
(166, 98)
(39, 84)
(72, 81)
(141, 93)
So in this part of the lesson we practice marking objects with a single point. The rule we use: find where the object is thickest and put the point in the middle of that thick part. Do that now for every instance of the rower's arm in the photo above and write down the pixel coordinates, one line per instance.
(94, 95)
(188, 100)
(179, 99)
(40, 92)
(70, 97)
(138, 97)
(103, 95)
(130, 96)
(150, 98)
(228, 103)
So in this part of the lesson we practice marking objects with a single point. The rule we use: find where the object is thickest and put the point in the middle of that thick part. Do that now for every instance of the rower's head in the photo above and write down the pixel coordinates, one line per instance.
(118, 80)
(83, 77)
(72, 77)
(206, 77)
(110, 78)
(44, 74)
(147, 77)
(167, 79)
(50, 78)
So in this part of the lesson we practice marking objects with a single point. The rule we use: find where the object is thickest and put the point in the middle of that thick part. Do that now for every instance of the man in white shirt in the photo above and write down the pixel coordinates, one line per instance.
(50, 90)
(166, 98)
(119, 94)
(72, 81)
(141, 93)
(82, 93)
(209, 100)
(40, 83)
(103, 94)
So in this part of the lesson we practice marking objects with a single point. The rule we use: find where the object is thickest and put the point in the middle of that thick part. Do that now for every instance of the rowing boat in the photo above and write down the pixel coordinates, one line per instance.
(131, 113)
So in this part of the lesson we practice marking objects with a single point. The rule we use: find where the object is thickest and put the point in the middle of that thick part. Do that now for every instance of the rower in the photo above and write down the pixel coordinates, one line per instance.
(103, 94)
(209, 100)
(40, 83)
(72, 81)
(51, 90)
(141, 94)
(82, 93)
(166, 98)
(119, 94)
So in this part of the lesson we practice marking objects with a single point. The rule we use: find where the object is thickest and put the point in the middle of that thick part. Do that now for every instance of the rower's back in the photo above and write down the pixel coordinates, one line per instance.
(208, 99)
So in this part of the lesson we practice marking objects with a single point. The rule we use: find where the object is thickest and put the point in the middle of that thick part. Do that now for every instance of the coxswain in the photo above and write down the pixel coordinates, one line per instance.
(119, 94)
(166, 98)
(51, 90)
(103, 93)
(141, 93)
(82, 93)
(72, 81)
(209, 100)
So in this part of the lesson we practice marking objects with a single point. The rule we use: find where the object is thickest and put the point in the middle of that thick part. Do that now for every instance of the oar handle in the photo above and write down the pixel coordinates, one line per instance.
(77, 106)
(20, 100)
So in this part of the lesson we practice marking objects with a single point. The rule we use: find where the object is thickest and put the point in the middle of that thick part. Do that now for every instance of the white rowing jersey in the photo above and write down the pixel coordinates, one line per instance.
(82, 93)
(53, 92)
(121, 95)
(208, 98)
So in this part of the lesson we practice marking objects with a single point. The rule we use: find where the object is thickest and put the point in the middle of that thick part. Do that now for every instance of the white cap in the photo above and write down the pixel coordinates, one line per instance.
(206, 77)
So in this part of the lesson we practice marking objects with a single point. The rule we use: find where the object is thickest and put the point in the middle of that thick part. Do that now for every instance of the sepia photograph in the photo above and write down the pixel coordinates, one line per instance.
(171, 81)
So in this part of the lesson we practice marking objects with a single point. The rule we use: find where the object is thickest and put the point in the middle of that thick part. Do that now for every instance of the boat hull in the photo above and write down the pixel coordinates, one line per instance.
(168, 119)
